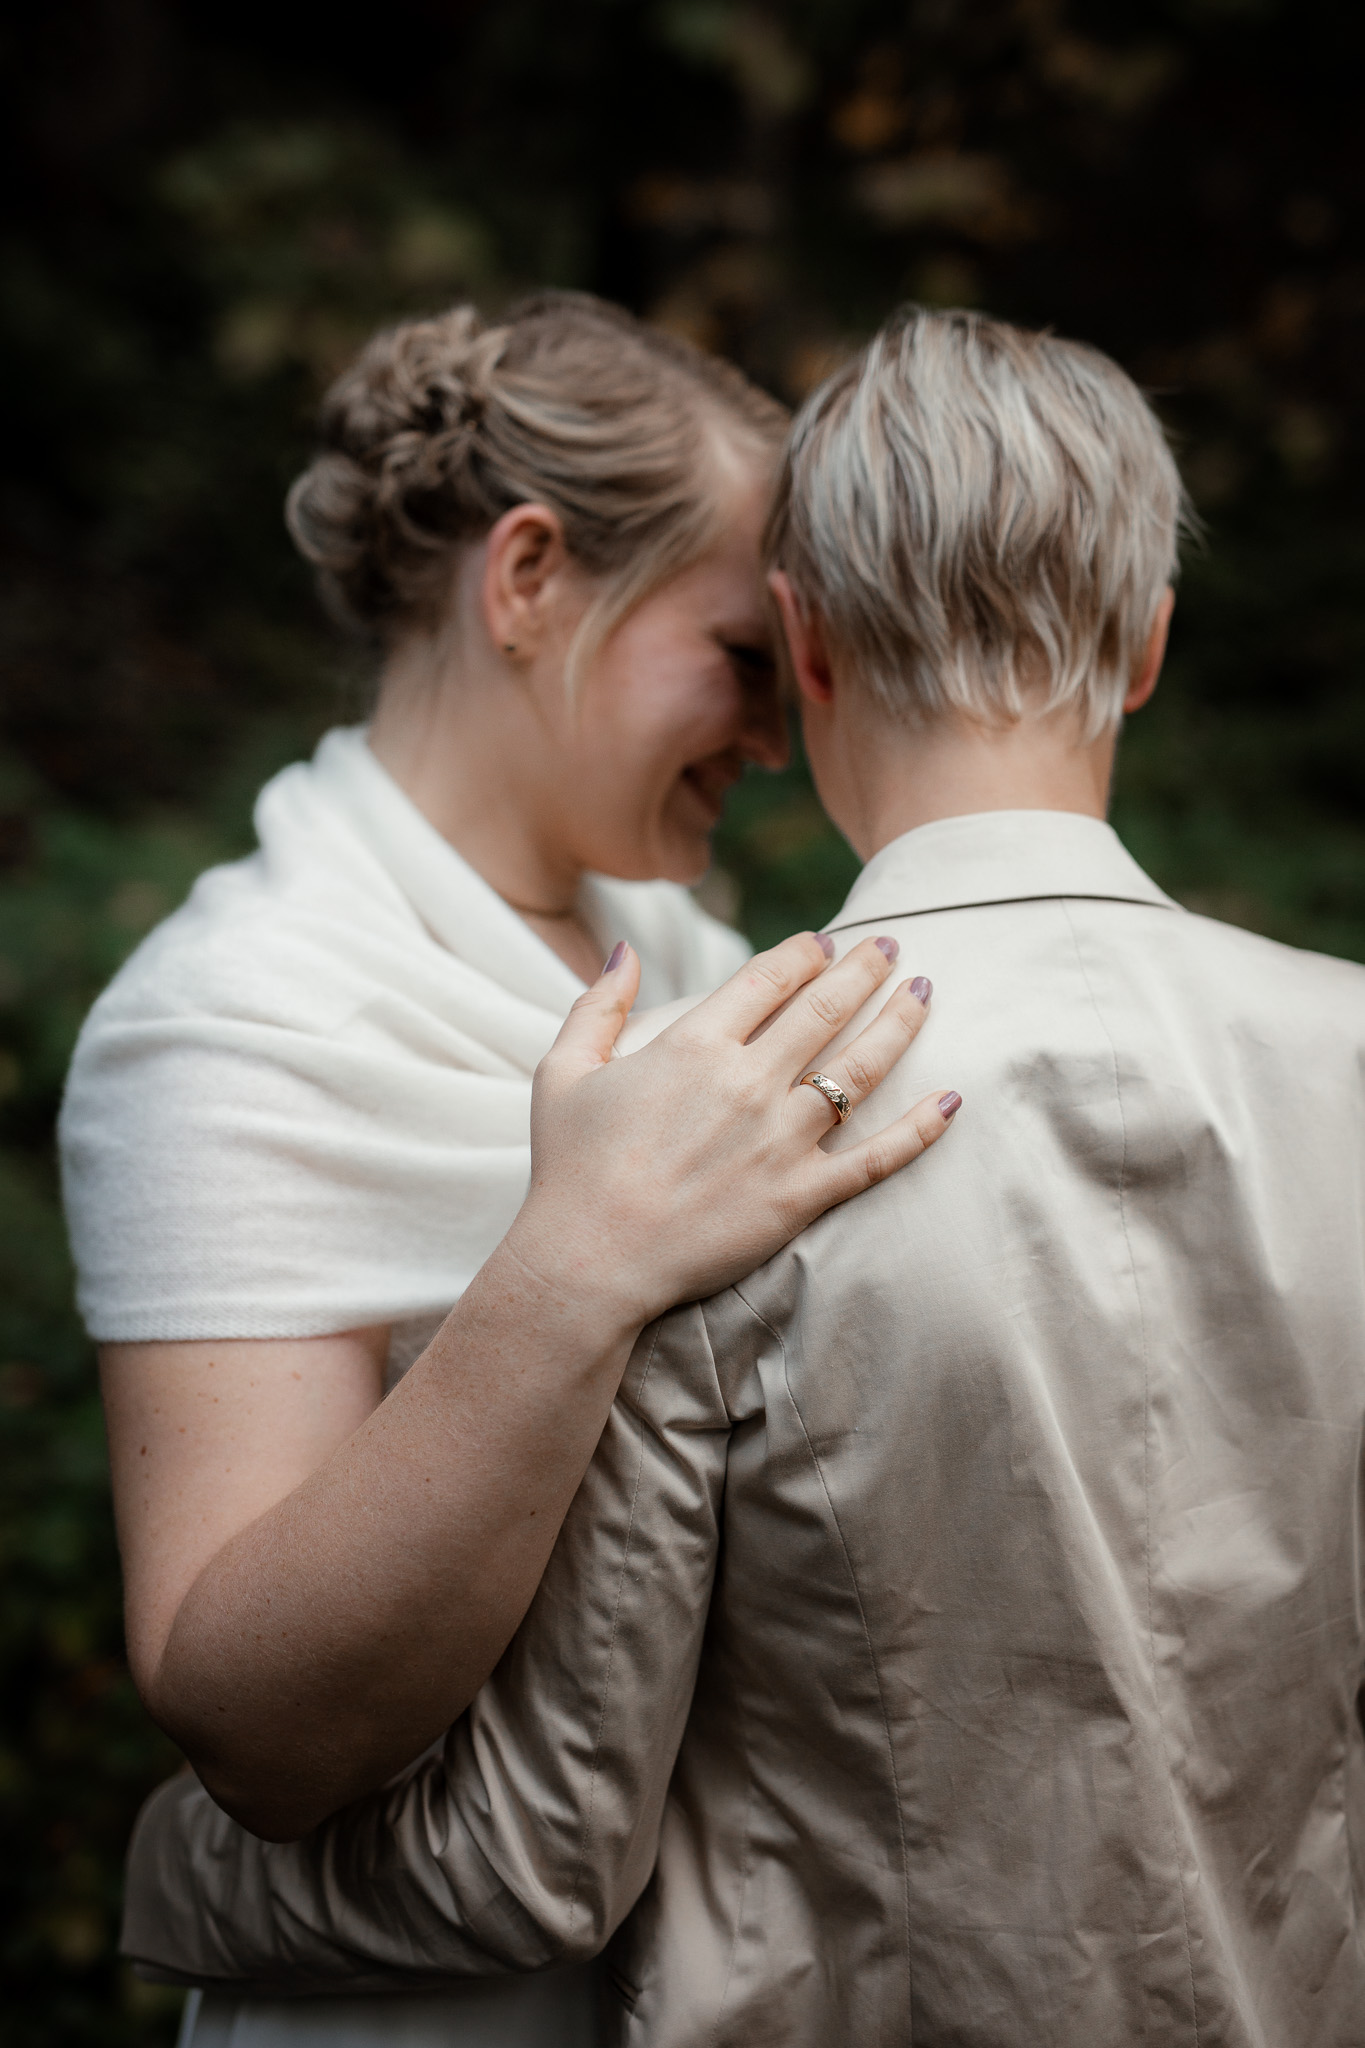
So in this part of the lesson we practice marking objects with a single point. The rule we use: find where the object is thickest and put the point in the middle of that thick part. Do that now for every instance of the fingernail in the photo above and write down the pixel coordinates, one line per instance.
(615, 957)
(949, 1105)
(826, 944)
(922, 988)
(891, 947)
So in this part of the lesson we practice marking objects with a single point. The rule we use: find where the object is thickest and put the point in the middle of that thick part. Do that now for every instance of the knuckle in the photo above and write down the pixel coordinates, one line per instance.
(876, 1163)
(860, 1075)
(749, 1092)
(694, 1042)
(765, 973)
(825, 1008)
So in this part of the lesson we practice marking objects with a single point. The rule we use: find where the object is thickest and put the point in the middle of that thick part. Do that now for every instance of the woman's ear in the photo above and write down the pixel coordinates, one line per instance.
(524, 558)
(805, 642)
(1153, 654)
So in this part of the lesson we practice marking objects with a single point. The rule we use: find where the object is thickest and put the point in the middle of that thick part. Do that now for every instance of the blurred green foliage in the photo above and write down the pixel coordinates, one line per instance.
(206, 210)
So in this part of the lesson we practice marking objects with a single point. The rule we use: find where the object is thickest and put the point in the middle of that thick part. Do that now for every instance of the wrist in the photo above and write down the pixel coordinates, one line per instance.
(570, 1274)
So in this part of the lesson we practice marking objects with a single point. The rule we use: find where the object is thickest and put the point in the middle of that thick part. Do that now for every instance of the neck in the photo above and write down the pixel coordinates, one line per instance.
(884, 778)
(471, 754)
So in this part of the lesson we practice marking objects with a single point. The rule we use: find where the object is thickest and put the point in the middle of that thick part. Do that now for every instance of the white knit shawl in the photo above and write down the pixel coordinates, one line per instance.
(302, 1105)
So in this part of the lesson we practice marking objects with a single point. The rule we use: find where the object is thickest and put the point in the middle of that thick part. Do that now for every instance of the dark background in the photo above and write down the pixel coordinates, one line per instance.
(205, 209)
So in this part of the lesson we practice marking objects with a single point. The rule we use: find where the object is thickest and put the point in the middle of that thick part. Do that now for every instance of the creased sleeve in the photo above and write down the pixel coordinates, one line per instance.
(527, 1838)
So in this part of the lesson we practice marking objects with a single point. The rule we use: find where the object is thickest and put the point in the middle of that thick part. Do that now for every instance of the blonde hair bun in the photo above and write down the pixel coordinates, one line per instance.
(443, 424)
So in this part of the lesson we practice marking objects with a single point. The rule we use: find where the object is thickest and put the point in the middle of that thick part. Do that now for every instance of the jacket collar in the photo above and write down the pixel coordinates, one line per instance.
(997, 857)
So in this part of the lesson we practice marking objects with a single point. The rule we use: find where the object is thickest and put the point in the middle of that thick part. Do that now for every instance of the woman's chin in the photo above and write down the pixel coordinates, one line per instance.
(671, 842)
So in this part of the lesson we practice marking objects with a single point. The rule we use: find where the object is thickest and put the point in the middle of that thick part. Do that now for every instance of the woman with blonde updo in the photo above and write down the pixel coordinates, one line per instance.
(301, 1144)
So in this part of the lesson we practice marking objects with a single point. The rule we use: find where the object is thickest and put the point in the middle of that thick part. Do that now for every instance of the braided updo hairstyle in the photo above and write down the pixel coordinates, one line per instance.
(443, 424)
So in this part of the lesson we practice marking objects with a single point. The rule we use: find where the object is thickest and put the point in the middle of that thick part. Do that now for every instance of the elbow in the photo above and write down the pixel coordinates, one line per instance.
(270, 1820)
(277, 1797)
(584, 1943)
(577, 1930)
(550, 1925)
(544, 1940)
(267, 1806)
(273, 1805)
(562, 1945)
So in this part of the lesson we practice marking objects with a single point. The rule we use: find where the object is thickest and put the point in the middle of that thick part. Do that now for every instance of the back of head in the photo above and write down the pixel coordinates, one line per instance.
(983, 518)
(443, 424)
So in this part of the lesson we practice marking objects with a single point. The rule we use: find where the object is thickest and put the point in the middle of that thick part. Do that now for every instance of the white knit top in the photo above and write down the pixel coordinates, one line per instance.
(302, 1105)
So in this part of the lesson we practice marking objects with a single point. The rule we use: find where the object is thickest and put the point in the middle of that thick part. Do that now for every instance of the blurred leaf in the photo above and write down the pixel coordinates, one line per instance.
(313, 235)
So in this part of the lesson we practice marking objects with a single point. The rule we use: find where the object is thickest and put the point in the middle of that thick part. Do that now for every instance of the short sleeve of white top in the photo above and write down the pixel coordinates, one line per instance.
(302, 1106)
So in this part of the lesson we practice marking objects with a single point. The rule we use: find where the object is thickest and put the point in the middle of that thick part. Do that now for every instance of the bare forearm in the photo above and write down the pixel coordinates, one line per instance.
(325, 1645)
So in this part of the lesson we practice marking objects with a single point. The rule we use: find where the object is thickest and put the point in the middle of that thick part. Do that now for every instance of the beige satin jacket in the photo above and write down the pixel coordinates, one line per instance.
(958, 1637)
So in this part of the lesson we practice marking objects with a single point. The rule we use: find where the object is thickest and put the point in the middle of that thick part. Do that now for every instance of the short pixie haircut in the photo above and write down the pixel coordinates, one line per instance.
(980, 515)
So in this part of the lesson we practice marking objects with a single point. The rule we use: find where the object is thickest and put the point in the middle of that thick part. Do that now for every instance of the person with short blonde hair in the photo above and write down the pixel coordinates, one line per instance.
(984, 519)
(960, 1633)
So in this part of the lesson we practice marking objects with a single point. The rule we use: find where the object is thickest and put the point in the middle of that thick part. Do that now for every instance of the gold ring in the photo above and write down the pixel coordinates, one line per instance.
(832, 1092)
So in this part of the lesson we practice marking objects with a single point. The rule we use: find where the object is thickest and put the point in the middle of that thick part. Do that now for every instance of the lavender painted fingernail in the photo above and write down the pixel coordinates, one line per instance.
(891, 947)
(949, 1105)
(615, 957)
(921, 988)
(826, 944)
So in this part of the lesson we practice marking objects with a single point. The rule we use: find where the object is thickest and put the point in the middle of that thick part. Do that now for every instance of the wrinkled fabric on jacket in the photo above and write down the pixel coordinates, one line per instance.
(957, 1640)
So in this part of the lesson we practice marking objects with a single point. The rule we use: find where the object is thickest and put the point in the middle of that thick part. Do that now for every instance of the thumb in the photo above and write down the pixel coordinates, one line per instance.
(593, 1025)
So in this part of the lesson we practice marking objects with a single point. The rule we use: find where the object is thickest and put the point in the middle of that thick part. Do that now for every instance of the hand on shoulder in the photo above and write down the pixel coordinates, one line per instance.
(670, 1174)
